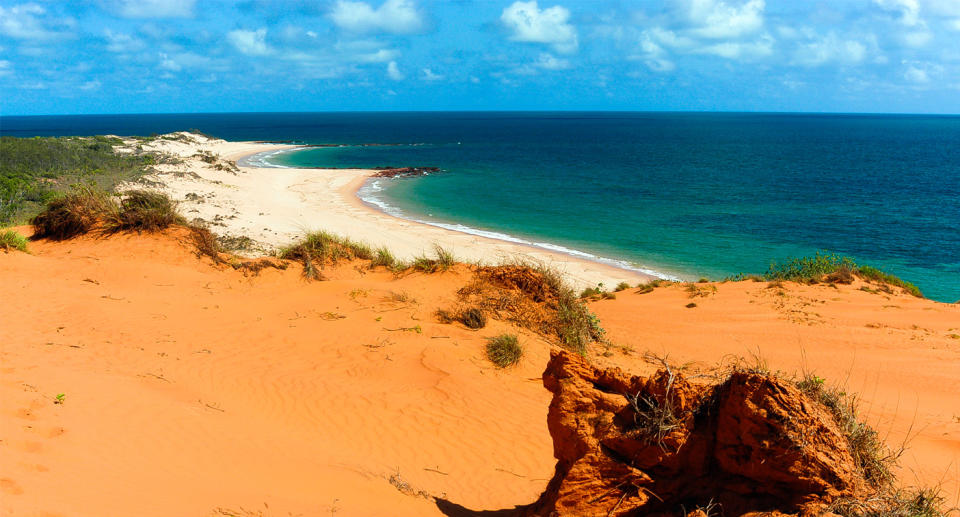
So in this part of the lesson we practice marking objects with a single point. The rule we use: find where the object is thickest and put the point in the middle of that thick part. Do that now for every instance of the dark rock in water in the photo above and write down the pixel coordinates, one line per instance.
(403, 172)
(628, 445)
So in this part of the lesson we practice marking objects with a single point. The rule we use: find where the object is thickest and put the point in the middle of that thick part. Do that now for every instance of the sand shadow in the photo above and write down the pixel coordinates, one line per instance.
(452, 509)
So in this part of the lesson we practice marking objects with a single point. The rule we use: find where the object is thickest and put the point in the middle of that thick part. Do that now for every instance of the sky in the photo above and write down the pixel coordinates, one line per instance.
(186, 56)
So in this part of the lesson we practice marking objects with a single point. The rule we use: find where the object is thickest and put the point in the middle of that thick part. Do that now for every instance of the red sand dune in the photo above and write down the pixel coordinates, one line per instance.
(195, 390)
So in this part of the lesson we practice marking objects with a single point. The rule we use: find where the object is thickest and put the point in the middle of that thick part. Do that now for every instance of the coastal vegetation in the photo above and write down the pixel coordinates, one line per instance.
(827, 268)
(12, 240)
(34, 171)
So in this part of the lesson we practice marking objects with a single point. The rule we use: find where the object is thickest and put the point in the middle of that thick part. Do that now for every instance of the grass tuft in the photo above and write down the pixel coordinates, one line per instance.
(318, 249)
(444, 260)
(473, 318)
(144, 211)
(73, 214)
(872, 457)
(11, 240)
(504, 350)
(622, 286)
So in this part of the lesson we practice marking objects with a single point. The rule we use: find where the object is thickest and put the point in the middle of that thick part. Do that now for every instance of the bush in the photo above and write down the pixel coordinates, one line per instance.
(872, 273)
(622, 286)
(504, 350)
(807, 269)
(473, 318)
(444, 261)
(145, 211)
(73, 214)
(11, 240)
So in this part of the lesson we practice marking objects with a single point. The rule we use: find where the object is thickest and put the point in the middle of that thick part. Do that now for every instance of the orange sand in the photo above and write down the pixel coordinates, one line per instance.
(190, 388)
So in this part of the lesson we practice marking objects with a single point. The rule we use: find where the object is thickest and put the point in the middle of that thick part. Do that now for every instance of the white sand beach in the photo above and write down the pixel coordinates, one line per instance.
(276, 206)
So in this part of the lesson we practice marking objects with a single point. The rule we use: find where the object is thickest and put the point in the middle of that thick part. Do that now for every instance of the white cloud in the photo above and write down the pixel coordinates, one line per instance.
(24, 22)
(156, 8)
(5, 68)
(916, 75)
(122, 43)
(715, 19)
(917, 39)
(183, 60)
(312, 34)
(380, 56)
(169, 64)
(548, 61)
(251, 43)
(428, 75)
(89, 86)
(393, 16)
(528, 23)
(830, 49)
(393, 71)
(762, 47)
(909, 10)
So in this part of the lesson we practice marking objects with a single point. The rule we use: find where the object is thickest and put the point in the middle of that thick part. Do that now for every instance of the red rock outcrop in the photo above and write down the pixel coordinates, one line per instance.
(628, 445)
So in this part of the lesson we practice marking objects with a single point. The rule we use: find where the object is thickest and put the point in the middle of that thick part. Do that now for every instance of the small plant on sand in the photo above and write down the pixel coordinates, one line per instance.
(473, 318)
(383, 257)
(444, 260)
(504, 350)
(73, 214)
(11, 240)
(60, 398)
(622, 286)
(320, 248)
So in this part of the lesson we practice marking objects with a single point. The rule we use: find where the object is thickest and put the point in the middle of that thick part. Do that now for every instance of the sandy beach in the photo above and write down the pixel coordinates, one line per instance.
(277, 206)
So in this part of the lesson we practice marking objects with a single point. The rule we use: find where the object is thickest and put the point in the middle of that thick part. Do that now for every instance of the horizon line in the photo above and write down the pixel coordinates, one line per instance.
(702, 112)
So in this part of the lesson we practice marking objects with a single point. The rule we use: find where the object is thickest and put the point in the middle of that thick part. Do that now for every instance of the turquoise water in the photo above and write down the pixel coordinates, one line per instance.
(683, 194)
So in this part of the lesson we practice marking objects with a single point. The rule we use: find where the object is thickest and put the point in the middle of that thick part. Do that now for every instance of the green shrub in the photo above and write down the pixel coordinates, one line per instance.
(11, 240)
(872, 273)
(806, 269)
(504, 350)
(622, 286)
(444, 260)
(383, 257)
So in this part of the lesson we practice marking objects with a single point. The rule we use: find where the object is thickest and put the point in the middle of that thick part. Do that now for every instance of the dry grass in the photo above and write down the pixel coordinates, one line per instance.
(504, 350)
(73, 214)
(318, 249)
(143, 211)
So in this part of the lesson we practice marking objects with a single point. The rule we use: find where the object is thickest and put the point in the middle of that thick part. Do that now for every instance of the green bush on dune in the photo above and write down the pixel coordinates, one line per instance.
(34, 171)
(832, 268)
(11, 240)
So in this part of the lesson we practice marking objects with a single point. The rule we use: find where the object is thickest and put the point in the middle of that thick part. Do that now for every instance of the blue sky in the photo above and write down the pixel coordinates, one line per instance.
(147, 56)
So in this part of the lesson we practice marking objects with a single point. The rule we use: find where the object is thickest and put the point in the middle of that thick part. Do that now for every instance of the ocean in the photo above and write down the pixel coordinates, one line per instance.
(684, 195)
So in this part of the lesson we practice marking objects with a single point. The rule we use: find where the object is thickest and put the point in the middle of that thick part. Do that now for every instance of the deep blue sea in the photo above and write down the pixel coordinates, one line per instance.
(683, 194)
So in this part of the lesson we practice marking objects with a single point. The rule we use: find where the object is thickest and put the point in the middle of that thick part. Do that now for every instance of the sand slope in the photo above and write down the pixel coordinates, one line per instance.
(900, 353)
(190, 388)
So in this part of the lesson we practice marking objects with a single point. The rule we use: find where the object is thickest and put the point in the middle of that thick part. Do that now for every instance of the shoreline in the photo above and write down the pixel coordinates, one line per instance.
(398, 213)
(275, 206)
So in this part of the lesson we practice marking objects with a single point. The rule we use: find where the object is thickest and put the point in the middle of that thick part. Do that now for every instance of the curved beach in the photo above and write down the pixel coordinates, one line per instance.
(276, 206)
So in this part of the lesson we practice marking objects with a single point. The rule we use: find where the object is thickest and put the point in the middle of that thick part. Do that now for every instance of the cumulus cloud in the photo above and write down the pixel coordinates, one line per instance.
(27, 22)
(428, 75)
(715, 19)
(761, 47)
(830, 49)
(251, 43)
(528, 23)
(393, 71)
(169, 64)
(393, 16)
(156, 8)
